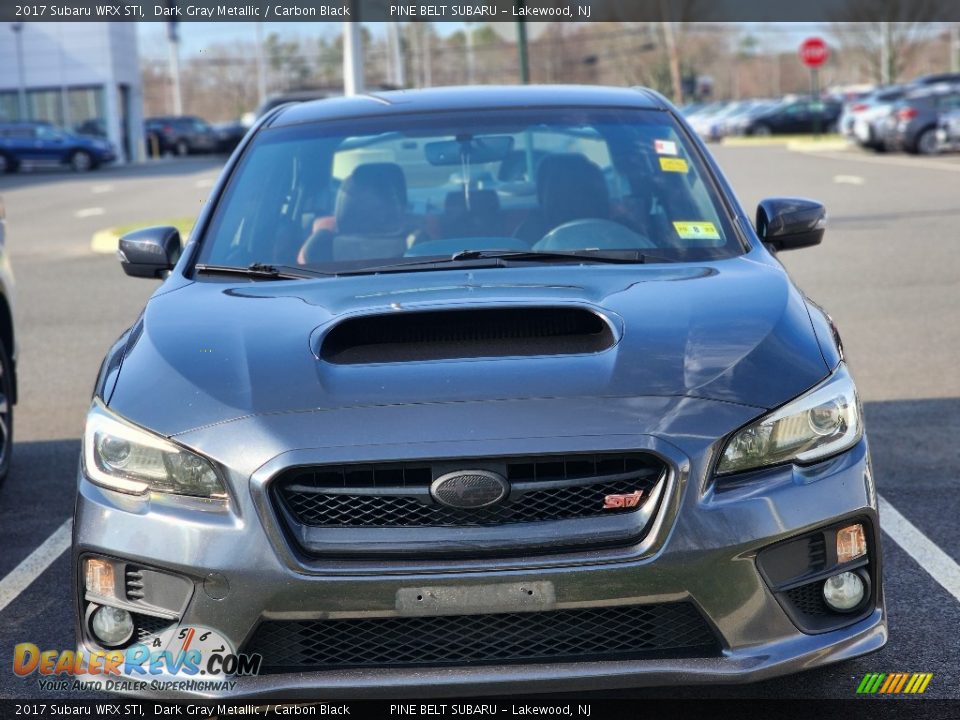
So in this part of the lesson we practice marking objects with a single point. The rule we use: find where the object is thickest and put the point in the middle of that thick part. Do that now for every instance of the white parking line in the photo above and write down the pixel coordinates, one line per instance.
(931, 558)
(204, 183)
(100, 189)
(35, 564)
(89, 212)
(848, 180)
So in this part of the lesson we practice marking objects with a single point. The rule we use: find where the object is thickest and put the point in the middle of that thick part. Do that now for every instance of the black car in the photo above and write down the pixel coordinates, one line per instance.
(798, 116)
(911, 125)
(180, 135)
(391, 426)
(8, 353)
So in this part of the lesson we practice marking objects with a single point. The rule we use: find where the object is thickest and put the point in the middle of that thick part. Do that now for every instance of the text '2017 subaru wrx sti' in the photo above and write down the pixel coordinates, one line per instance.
(480, 390)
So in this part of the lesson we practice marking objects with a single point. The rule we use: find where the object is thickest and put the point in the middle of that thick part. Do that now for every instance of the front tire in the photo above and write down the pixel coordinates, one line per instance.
(81, 161)
(7, 164)
(762, 130)
(6, 412)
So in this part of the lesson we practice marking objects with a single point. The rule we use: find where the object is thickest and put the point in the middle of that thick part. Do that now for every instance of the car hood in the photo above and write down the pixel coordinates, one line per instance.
(208, 352)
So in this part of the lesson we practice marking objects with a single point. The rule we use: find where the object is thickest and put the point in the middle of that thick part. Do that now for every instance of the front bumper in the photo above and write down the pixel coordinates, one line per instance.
(701, 548)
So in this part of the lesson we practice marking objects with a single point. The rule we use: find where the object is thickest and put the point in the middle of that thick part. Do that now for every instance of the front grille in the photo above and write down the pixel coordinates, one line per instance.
(397, 495)
(606, 633)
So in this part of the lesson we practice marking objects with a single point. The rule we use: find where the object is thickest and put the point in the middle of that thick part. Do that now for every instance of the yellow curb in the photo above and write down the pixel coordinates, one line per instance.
(105, 241)
(817, 145)
(748, 140)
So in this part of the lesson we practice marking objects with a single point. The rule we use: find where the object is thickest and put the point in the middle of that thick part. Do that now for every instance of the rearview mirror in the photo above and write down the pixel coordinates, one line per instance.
(790, 223)
(477, 150)
(151, 252)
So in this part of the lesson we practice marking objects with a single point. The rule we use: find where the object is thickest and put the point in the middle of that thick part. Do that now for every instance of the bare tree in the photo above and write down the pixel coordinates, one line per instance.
(885, 36)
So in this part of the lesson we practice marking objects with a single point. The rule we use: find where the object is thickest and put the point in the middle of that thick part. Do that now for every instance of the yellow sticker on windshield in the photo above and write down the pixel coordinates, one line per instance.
(672, 164)
(696, 230)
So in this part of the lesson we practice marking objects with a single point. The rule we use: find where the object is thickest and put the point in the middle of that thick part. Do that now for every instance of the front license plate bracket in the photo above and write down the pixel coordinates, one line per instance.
(476, 599)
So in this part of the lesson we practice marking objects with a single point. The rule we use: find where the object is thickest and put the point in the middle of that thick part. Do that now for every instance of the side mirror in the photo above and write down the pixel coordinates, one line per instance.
(790, 223)
(151, 252)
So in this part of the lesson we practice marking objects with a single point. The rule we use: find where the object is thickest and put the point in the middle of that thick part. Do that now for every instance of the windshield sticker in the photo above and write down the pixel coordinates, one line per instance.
(696, 230)
(665, 147)
(669, 164)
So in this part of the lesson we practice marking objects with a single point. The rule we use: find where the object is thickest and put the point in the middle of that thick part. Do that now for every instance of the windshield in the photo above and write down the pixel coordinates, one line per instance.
(343, 196)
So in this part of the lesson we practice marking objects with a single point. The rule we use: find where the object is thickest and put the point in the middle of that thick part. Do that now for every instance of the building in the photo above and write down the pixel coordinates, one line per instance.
(75, 74)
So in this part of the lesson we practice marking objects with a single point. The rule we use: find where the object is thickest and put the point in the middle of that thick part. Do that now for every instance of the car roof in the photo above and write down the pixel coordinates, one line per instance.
(483, 97)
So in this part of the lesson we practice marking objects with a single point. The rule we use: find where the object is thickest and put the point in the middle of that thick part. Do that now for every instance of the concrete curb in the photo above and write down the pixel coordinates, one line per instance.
(787, 140)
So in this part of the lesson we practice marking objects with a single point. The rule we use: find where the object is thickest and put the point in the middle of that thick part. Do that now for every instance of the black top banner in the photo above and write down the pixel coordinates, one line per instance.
(481, 10)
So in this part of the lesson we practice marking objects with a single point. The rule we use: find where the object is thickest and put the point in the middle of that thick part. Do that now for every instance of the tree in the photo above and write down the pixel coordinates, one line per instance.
(885, 36)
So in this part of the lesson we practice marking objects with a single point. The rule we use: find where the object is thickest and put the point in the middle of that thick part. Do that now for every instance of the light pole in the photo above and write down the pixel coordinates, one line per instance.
(173, 38)
(17, 29)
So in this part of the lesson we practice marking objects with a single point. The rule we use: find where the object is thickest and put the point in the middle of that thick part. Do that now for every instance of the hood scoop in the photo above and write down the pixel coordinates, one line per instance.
(466, 333)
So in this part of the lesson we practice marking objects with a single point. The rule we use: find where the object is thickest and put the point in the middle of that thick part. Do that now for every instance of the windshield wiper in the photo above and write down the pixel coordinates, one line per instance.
(629, 257)
(262, 271)
(481, 259)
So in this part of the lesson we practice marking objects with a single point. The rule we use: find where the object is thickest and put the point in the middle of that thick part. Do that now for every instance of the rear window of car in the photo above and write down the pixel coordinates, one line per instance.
(343, 194)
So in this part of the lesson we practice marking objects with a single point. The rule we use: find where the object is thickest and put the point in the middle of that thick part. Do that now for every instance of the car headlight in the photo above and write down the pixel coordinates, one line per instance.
(129, 459)
(822, 422)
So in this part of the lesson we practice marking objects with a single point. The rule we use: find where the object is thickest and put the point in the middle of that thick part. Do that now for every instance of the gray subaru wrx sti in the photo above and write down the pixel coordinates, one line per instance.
(479, 390)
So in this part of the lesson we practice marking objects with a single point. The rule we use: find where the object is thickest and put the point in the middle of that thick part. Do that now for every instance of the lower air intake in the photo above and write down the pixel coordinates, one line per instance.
(607, 633)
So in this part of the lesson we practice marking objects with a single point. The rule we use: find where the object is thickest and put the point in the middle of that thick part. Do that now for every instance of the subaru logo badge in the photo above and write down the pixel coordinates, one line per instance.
(470, 489)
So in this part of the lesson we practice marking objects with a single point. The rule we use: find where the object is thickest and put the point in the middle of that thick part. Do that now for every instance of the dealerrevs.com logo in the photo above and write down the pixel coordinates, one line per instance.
(181, 659)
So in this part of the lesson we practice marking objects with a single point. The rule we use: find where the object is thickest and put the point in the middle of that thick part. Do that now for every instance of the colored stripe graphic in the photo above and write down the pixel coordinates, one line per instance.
(894, 683)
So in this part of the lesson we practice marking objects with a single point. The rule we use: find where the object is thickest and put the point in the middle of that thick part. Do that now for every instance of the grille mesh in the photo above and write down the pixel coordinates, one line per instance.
(808, 599)
(388, 511)
(147, 626)
(608, 633)
(306, 493)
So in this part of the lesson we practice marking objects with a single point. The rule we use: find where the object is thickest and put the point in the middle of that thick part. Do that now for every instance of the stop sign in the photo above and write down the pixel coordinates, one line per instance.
(813, 52)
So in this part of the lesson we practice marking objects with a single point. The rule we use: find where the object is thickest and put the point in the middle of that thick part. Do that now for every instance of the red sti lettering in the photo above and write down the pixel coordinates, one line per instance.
(622, 500)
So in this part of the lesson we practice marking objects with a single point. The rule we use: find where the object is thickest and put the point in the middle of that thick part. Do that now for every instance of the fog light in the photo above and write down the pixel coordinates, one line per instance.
(98, 576)
(844, 591)
(111, 626)
(851, 543)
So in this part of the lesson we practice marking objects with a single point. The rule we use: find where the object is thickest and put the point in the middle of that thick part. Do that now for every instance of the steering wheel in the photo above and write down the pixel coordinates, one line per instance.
(589, 233)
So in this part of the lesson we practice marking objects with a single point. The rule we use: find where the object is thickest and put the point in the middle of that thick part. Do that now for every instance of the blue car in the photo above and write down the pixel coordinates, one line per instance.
(40, 143)
(473, 391)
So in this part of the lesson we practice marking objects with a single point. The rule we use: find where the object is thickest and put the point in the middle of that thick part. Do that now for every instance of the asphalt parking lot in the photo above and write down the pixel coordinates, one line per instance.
(888, 272)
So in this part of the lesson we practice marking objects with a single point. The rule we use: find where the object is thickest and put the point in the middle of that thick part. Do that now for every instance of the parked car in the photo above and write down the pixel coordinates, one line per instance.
(738, 122)
(42, 144)
(593, 435)
(8, 352)
(95, 127)
(796, 116)
(179, 135)
(948, 133)
(866, 116)
(911, 125)
(229, 135)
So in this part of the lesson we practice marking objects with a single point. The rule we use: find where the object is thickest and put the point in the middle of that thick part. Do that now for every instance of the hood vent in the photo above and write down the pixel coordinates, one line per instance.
(454, 334)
